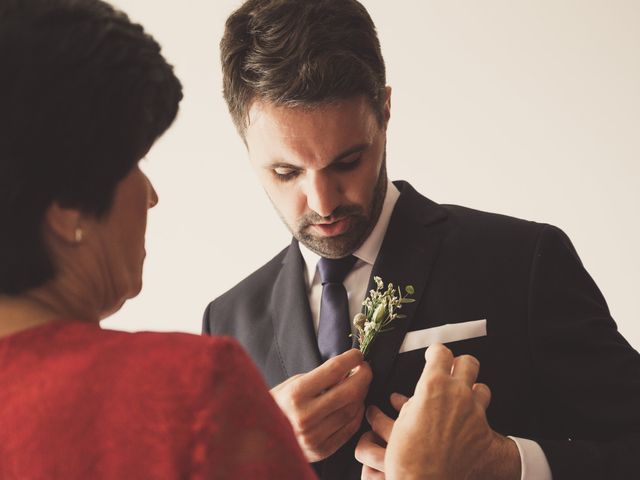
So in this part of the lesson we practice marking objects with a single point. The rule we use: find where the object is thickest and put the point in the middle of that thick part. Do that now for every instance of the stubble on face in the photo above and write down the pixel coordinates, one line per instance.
(361, 223)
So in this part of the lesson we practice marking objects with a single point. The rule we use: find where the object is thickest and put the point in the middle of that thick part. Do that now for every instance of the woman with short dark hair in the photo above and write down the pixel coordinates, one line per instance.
(84, 94)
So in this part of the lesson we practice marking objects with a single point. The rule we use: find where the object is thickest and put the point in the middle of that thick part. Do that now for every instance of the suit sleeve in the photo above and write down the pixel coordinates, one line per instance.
(587, 374)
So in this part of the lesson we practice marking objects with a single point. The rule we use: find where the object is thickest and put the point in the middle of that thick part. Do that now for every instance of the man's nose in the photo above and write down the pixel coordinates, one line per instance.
(323, 194)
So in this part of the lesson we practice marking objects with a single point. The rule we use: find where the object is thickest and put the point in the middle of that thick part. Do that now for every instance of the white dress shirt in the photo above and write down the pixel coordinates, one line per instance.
(534, 464)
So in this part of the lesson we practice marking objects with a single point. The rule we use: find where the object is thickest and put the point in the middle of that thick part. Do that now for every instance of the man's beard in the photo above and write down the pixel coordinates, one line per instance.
(360, 224)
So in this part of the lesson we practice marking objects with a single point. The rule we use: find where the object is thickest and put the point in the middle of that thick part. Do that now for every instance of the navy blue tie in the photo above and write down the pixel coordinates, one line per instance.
(335, 325)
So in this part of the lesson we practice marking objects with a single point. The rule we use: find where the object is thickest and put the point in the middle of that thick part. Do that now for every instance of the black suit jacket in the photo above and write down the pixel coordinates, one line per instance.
(559, 371)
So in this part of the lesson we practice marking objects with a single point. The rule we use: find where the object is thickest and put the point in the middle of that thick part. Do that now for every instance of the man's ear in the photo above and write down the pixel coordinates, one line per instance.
(64, 223)
(387, 106)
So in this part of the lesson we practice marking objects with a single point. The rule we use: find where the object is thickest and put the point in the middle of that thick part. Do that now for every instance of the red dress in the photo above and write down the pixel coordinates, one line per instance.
(80, 402)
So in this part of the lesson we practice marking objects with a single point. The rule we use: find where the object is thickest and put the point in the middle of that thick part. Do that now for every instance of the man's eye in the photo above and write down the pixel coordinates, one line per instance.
(285, 173)
(348, 165)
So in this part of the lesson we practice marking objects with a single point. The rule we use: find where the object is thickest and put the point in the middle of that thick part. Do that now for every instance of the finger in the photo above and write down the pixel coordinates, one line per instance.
(482, 394)
(398, 400)
(286, 382)
(369, 453)
(326, 412)
(340, 437)
(351, 390)
(439, 359)
(369, 473)
(360, 368)
(466, 368)
(380, 423)
(330, 372)
(317, 430)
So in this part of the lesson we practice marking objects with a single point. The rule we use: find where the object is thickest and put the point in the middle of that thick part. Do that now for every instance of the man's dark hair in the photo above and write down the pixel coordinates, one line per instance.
(300, 53)
(84, 93)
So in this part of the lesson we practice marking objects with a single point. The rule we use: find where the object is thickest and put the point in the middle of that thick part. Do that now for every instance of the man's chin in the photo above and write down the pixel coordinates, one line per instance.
(337, 246)
(338, 239)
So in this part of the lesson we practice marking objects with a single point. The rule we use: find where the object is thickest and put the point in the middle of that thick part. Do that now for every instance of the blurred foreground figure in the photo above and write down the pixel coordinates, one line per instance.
(84, 94)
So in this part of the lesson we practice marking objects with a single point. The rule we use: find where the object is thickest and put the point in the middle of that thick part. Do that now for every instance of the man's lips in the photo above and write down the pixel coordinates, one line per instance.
(333, 228)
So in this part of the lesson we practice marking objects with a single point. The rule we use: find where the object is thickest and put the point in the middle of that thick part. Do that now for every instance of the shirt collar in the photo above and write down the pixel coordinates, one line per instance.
(368, 251)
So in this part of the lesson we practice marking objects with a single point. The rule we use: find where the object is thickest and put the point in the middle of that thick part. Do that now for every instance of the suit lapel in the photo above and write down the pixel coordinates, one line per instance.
(293, 330)
(408, 251)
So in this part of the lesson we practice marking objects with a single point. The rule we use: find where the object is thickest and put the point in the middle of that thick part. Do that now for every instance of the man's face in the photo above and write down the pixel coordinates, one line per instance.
(323, 168)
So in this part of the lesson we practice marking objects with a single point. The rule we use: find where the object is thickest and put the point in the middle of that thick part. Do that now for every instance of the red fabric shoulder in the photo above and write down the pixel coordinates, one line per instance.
(77, 401)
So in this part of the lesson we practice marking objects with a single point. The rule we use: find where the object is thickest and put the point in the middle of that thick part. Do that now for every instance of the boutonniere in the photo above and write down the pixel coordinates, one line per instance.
(380, 308)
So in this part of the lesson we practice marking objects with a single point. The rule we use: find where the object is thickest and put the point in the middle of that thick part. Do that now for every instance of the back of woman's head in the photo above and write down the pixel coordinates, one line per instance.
(84, 93)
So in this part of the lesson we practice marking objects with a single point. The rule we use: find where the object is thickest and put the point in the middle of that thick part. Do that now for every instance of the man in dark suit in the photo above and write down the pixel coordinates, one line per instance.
(305, 84)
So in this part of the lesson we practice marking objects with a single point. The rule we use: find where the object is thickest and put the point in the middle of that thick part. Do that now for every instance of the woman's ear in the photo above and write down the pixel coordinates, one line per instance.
(64, 223)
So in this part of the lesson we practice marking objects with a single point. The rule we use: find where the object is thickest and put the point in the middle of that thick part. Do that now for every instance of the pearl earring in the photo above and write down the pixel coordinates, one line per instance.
(78, 235)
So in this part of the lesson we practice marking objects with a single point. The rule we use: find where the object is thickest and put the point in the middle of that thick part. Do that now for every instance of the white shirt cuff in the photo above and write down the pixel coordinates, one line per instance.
(533, 461)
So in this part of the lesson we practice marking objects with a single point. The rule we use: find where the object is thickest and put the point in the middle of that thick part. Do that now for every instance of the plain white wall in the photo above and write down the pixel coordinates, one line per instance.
(528, 108)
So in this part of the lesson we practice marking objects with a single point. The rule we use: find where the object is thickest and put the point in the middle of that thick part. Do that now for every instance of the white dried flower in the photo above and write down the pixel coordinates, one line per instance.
(380, 309)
